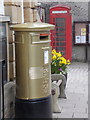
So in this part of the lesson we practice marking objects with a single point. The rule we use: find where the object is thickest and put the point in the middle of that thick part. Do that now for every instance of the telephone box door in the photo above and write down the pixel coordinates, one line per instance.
(61, 36)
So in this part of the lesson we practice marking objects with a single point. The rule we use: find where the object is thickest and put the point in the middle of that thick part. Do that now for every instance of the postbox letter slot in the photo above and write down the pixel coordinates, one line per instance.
(44, 36)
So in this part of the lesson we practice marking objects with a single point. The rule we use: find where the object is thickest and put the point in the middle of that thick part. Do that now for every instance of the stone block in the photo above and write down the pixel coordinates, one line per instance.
(35, 16)
(10, 3)
(28, 15)
(29, 4)
(55, 93)
(12, 12)
(19, 14)
(19, 3)
(9, 99)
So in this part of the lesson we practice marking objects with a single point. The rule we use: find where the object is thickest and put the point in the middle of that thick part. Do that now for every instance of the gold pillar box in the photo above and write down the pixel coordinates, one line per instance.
(33, 58)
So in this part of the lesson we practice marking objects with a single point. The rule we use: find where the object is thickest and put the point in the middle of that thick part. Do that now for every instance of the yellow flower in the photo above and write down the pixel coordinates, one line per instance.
(68, 62)
(58, 61)
(58, 54)
(54, 57)
(54, 52)
(63, 60)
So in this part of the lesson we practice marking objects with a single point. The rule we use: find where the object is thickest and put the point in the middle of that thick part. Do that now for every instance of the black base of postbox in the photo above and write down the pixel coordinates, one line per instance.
(36, 108)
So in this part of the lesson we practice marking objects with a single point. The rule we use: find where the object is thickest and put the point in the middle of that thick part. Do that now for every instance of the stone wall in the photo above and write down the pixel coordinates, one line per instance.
(79, 10)
(79, 53)
(15, 10)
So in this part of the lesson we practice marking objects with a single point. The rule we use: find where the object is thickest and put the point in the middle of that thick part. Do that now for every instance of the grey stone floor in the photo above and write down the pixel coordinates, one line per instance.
(76, 104)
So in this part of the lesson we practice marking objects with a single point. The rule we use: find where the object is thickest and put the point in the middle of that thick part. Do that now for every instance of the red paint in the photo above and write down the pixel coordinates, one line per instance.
(45, 34)
(61, 36)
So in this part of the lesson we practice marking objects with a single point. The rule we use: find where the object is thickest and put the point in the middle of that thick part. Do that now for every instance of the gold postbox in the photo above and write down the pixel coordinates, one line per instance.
(33, 58)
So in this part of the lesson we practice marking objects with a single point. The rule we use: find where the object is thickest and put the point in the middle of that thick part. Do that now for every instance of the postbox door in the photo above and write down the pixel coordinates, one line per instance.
(61, 35)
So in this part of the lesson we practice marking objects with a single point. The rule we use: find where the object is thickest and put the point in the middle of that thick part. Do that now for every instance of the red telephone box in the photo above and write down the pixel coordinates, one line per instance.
(61, 36)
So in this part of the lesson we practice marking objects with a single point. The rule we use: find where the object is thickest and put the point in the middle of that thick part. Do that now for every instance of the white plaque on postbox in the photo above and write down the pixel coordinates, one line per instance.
(46, 56)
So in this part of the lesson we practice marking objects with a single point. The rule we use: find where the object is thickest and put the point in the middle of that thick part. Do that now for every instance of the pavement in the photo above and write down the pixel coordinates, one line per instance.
(76, 104)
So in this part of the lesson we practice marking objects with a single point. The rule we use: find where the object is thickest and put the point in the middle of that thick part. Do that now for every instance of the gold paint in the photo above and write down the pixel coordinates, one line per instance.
(36, 26)
(32, 75)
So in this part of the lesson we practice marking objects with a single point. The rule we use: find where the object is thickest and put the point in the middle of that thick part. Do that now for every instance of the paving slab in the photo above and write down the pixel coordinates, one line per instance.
(76, 104)
(79, 115)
